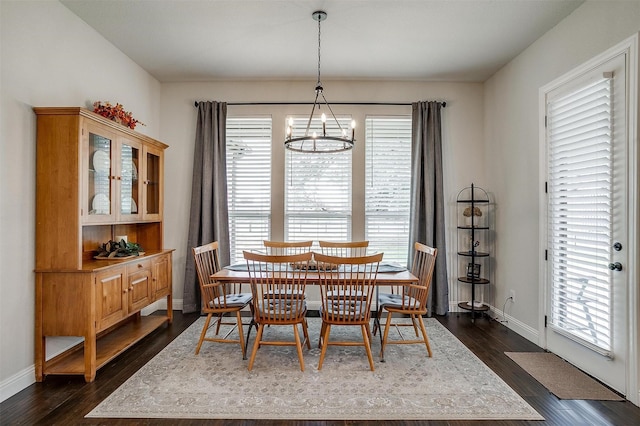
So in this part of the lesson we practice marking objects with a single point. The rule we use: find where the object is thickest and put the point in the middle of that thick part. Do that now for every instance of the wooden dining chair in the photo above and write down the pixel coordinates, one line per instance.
(344, 248)
(346, 294)
(280, 248)
(218, 299)
(278, 298)
(408, 300)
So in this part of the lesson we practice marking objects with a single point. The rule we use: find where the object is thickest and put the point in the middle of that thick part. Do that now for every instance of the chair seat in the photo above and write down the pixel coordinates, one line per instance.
(351, 310)
(232, 300)
(282, 307)
(397, 301)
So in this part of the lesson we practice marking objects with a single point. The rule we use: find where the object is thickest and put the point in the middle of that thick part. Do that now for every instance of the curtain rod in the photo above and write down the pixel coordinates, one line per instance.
(444, 104)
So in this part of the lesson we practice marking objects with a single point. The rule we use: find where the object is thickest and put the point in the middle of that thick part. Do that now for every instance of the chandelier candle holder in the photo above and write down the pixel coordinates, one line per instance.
(312, 142)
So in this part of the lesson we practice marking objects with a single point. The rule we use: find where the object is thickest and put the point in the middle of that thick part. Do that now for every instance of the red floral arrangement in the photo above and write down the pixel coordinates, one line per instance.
(116, 113)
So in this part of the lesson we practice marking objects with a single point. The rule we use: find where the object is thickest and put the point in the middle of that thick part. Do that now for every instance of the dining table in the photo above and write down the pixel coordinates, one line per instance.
(389, 274)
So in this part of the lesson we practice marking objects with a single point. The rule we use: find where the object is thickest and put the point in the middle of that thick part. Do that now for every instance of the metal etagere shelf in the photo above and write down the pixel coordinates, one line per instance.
(474, 250)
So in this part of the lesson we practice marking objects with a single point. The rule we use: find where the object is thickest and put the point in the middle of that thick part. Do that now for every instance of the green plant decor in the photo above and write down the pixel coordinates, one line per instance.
(120, 248)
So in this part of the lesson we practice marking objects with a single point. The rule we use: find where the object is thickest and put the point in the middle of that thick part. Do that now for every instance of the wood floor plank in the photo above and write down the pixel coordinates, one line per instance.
(65, 400)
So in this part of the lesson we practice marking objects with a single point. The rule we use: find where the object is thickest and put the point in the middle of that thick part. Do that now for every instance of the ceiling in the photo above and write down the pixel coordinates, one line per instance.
(431, 40)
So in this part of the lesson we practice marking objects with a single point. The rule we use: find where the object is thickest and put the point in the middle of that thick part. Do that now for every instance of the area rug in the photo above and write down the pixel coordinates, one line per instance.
(561, 378)
(453, 384)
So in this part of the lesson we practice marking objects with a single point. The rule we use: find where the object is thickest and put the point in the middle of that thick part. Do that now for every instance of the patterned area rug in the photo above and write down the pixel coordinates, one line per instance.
(453, 384)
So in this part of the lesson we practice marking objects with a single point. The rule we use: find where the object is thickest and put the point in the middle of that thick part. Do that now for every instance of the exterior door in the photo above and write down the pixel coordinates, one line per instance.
(586, 221)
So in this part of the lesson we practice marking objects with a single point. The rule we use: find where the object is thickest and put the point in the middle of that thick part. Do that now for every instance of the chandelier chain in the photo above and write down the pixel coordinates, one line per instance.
(319, 83)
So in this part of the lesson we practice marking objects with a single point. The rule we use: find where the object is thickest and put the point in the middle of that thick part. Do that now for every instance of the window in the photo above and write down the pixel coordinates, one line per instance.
(248, 183)
(388, 186)
(318, 190)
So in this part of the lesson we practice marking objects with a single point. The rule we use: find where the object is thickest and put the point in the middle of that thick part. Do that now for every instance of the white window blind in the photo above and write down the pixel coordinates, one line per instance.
(388, 186)
(248, 183)
(580, 214)
(318, 189)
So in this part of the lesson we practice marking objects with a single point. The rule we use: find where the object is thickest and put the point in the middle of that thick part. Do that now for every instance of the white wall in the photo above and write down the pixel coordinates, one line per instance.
(49, 58)
(512, 138)
(462, 137)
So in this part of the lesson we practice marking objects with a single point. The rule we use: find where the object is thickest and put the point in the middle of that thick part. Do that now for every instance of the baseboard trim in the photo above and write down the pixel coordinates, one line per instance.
(516, 325)
(18, 382)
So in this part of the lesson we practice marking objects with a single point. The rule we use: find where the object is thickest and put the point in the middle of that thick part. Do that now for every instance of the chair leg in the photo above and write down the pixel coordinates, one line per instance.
(305, 331)
(256, 344)
(386, 335)
(415, 327)
(376, 322)
(203, 333)
(241, 335)
(424, 334)
(325, 342)
(367, 345)
(369, 334)
(219, 323)
(322, 329)
(296, 334)
(253, 323)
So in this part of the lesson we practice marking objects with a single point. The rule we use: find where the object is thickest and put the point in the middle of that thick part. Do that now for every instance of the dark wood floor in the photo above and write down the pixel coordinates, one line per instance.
(65, 400)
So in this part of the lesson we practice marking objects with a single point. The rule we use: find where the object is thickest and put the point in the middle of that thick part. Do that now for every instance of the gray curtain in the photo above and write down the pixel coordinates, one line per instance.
(209, 218)
(427, 198)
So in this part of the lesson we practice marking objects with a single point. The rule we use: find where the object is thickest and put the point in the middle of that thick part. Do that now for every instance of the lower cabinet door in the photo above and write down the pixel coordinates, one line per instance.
(111, 297)
(161, 268)
(139, 289)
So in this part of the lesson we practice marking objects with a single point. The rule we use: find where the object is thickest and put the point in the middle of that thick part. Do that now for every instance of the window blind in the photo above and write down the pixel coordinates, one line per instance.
(388, 185)
(318, 189)
(579, 213)
(248, 183)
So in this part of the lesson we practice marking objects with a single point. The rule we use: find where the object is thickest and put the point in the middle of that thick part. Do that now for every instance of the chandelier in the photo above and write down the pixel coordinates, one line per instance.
(318, 141)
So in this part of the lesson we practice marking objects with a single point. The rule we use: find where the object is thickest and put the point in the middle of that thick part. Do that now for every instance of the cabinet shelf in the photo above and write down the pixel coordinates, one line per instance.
(473, 280)
(474, 201)
(468, 307)
(473, 254)
(107, 347)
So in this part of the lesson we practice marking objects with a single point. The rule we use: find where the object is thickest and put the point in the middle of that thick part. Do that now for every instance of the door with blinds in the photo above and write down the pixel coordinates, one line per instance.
(586, 223)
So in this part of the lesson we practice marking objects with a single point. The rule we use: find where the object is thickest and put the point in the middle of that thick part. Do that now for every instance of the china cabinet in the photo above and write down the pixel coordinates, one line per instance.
(474, 249)
(96, 181)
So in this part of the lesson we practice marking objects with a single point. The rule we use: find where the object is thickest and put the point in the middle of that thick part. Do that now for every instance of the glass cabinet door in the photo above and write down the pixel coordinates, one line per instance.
(130, 193)
(100, 176)
(153, 183)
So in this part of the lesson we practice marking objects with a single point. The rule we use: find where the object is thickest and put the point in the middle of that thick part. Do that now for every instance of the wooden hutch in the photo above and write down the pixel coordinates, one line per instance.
(96, 180)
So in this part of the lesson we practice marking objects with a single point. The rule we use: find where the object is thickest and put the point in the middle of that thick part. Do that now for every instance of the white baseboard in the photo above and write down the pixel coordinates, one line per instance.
(516, 325)
(17, 382)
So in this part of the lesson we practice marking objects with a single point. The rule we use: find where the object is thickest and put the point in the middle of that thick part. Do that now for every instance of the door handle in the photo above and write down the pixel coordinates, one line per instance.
(615, 266)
